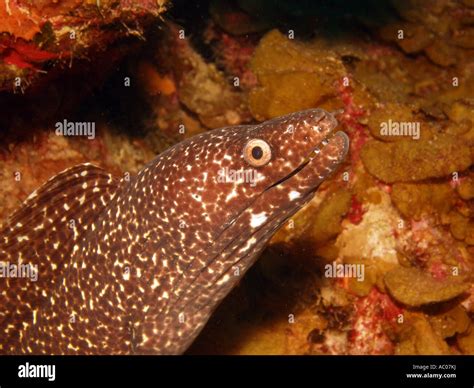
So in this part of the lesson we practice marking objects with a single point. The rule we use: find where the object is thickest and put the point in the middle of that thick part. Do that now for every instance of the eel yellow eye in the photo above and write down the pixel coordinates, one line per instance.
(257, 152)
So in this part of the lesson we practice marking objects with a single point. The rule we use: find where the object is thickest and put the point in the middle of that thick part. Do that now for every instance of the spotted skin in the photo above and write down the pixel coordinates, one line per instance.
(153, 256)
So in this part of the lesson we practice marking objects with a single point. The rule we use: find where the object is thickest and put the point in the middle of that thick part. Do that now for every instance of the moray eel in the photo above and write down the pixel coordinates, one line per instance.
(138, 265)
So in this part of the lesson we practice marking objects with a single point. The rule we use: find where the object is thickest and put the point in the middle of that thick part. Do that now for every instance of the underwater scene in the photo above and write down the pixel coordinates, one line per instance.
(237, 177)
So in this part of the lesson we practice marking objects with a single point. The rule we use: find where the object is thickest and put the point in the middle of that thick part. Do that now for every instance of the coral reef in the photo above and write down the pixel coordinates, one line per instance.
(401, 208)
(396, 221)
(33, 34)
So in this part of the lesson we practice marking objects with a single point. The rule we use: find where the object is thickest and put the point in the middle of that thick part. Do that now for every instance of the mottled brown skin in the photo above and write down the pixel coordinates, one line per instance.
(144, 274)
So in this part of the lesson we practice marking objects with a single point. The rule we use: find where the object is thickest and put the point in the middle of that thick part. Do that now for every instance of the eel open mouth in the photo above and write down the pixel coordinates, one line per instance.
(325, 157)
(321, 162)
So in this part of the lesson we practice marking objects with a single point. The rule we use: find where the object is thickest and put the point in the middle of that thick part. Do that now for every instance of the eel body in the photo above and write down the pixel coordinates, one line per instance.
(138, 265)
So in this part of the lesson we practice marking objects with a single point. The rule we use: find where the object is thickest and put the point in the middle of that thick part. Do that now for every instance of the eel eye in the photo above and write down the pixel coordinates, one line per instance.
(257, 152)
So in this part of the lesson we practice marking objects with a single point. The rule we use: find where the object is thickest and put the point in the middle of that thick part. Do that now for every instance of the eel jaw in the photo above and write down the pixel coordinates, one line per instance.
(325, 157)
